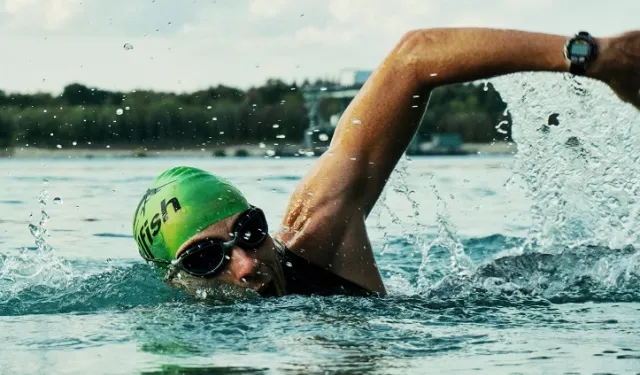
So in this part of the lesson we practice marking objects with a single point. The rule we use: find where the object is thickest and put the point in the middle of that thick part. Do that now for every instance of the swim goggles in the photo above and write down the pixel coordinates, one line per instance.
(206, 257)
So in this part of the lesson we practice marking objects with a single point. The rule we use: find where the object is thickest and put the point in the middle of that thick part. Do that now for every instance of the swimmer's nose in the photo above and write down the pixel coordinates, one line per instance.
(242, 266)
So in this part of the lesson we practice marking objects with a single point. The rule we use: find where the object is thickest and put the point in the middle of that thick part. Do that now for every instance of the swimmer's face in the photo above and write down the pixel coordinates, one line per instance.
(244, 270)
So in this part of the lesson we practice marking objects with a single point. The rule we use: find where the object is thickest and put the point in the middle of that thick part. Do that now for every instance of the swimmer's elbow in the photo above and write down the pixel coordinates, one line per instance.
(415, 50)
(414, 40)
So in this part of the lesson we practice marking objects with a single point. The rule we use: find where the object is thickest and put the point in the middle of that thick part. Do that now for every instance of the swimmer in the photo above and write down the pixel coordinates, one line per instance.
(210, 237)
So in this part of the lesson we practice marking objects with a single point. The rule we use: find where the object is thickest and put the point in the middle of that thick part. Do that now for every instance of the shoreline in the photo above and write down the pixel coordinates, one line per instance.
(469, 149)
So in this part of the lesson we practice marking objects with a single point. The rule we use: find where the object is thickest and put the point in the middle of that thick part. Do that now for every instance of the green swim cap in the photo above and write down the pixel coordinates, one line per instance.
(181, 202)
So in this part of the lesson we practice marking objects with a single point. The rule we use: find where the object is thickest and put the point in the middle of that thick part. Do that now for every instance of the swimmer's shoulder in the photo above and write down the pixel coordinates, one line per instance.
(307, 278)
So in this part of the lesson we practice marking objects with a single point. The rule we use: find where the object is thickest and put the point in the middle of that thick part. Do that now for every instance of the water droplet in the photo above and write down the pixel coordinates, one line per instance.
(289, 264)
(355, 121)
(119, 111)
(323, 89)
(51, 134)
(59, 146)
(201, 293)
(208, 107)
(486, 86)
(108, 146)
(433, 74)
(74, 143)
(57, 200)
(499, 127)
(280, 136)
(323, 137)
(35, 231)
(276, 126)
(127, 108)
(44, 110)
(214, 119)
(128, 46)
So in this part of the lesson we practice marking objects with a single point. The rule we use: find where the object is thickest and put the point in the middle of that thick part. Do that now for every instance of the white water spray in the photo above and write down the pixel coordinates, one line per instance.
(399, 193)
(578, 153)
(34, 267)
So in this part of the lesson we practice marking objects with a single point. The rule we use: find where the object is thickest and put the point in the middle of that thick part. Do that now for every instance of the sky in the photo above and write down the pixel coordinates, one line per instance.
(186, 45)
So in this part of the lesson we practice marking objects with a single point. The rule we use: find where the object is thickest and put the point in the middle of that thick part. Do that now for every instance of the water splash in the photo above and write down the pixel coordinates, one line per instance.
(39, 232)
(413, 232)
(578, 160)
(117, 287)
(447, 238)
(586, 273)
(398, 184)
(34, 267)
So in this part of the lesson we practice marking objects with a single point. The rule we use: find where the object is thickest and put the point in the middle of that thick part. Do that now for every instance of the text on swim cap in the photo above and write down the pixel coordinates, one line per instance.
(147, 233)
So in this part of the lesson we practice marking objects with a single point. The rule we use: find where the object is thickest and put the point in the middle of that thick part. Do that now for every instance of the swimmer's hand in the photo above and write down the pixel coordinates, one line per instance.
(619, 66)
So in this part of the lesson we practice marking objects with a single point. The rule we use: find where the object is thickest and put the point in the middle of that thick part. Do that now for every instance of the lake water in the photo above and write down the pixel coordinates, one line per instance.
(476, 283)
(495, 265)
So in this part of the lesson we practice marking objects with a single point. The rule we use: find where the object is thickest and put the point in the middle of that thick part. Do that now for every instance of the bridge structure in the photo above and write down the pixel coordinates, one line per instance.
(318, 135)
(320, 131)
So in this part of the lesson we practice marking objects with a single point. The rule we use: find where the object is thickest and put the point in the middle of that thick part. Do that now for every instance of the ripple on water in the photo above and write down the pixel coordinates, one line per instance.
(112, 235)
(9, 201)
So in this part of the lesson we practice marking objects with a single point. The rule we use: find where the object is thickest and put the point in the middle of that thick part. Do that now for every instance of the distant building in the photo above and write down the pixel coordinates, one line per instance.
(354, 78)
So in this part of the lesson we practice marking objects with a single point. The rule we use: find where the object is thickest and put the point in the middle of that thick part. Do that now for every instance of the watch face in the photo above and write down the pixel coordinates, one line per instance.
(579, 49)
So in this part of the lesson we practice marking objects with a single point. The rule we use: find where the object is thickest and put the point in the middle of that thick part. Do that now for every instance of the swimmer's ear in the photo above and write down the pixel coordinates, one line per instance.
(170, 274)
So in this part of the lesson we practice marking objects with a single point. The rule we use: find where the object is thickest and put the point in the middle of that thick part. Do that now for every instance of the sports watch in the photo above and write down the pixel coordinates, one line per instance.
(580, 50)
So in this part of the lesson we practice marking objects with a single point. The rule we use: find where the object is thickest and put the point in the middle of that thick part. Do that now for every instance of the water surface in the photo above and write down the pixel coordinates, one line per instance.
(472, 289)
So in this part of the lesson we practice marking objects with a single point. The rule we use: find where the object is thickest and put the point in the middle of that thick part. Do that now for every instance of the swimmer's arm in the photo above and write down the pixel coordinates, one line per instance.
(380, 122)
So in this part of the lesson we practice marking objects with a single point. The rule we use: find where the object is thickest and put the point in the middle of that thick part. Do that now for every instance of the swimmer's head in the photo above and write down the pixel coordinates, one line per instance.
(189, 217)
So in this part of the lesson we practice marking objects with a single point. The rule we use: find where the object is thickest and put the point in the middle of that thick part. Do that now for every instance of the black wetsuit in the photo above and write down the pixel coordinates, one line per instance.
(304, 277)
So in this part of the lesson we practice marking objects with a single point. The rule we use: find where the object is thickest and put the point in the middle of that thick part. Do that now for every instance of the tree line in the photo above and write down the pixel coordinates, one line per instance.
(87, 117)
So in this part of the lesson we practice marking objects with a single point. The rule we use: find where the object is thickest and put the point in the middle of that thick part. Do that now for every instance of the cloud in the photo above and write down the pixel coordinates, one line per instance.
(47, 14)
(186, 45)
(379, 16)
(14, 6)
(267, 8)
